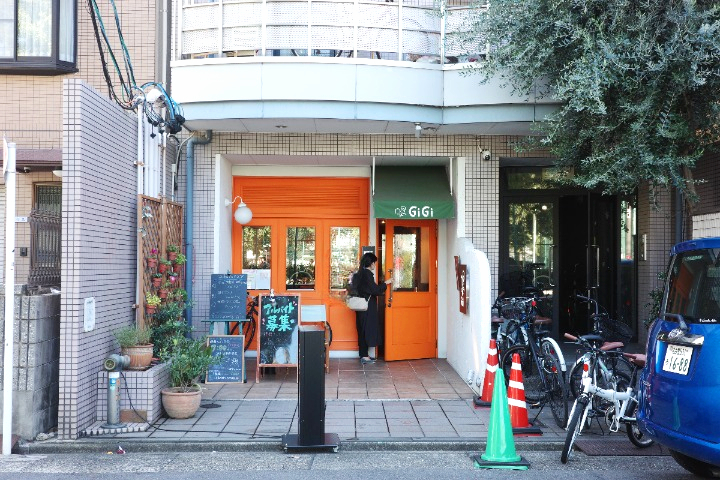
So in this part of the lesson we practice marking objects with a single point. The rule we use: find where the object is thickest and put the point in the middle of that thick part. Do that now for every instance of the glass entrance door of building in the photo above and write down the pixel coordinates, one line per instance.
(529, 266)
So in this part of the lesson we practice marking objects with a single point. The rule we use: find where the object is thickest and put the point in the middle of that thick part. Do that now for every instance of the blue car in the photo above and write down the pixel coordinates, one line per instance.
(679, 389)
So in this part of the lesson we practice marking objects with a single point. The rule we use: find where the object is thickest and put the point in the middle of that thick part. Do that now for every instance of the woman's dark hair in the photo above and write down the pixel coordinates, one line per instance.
(368, 259)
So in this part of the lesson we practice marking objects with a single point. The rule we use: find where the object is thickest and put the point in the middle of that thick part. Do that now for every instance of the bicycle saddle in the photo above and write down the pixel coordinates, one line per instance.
(607, 346)
(638, 359)
(542, 321)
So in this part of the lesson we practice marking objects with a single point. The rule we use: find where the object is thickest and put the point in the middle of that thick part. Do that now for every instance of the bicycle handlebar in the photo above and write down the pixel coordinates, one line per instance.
(589, 300)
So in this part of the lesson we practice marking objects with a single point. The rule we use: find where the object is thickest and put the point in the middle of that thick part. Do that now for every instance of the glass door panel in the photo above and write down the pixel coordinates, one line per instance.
(300, 258)
(344, 248)
(531, 264)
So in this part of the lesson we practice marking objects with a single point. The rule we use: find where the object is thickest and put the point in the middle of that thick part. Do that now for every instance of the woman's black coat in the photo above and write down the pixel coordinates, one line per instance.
(369, 318)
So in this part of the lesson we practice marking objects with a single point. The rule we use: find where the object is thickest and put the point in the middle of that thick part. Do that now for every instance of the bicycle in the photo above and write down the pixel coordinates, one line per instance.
(609, 333)
(594, 400)
(249, 325)
(543, 367)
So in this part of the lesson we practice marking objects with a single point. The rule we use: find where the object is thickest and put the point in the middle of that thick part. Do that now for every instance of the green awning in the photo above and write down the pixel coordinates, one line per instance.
(412, 193)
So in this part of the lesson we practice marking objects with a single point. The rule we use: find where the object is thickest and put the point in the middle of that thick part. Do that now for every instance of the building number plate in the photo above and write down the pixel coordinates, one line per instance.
(677, 359)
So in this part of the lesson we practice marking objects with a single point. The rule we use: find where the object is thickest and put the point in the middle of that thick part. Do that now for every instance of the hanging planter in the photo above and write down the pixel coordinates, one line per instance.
(151, 303)
(164, 265)
(152, 259)
(163, 293)
(157, 280)
(172, 278)
(172, 251)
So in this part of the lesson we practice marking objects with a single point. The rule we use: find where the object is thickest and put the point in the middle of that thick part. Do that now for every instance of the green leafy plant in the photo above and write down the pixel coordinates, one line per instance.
(173, 249)
(168, 312)
(180, 259)
(163, 334)
(153, 253)
(165, 261)
(131, 336)
(188, 359)
(152, 300)
(656, 297)
(181, 296)
(157, 275)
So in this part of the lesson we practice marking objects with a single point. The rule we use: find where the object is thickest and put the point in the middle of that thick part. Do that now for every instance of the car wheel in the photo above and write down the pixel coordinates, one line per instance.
(695, 466)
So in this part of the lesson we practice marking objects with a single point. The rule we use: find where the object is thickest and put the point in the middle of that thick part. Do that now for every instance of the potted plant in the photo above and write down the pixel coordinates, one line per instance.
(135, 343)
(164, 265)
(152, 259)
(151, 303)
(156, 279)
(172, 251)
(172, 277)
(164, 290)
(179, 261)
(188, 359)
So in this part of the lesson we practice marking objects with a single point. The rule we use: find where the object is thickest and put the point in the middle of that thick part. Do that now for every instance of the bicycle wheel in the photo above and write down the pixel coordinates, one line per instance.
(532, 383)
(575, 379)
(556, 390)
(249, 332)
(636, 436)
(574, 426)
(549, 347)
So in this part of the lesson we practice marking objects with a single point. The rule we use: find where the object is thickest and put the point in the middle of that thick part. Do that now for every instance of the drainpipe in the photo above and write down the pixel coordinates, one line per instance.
(679, 234)
(189, 186)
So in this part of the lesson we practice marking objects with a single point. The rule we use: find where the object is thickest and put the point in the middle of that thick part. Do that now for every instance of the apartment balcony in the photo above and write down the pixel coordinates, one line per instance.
(337, 66)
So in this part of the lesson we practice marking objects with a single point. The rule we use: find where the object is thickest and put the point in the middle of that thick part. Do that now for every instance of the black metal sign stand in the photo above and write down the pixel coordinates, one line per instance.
(311, 395)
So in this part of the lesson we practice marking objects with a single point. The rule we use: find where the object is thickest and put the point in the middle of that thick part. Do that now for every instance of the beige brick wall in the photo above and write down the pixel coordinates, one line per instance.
(31, 106)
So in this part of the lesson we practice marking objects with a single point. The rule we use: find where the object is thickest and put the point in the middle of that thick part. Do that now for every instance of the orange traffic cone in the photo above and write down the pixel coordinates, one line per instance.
(492, 364)
(516, 401)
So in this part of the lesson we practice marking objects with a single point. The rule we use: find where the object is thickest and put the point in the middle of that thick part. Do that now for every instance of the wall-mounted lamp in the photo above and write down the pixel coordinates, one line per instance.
(57, 173)
(242, 214)
(418, 130)
(485, 154)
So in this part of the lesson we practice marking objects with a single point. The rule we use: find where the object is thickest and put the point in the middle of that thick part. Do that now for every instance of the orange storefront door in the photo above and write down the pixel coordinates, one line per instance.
(410, 258)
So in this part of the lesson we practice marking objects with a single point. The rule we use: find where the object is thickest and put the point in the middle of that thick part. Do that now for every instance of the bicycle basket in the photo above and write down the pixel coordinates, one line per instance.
(615, 331)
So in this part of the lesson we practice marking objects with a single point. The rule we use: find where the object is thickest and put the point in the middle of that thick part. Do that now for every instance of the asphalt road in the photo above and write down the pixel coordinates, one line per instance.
(365, 465)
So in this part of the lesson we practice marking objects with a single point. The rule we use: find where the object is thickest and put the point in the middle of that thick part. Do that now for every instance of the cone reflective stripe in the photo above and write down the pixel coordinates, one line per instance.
(492, 365)
(500, 449)
(516, 401)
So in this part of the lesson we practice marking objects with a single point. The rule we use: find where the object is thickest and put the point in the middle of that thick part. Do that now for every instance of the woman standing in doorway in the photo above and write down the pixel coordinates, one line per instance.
(367, 322)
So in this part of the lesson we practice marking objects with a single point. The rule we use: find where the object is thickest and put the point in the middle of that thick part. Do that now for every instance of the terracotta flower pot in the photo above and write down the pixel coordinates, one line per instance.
(181, 404)
(163, 293)
(140, 356)
(156, 281)
(150, 309)
(151, 262)
(171, 256)
(176, 268)
(162, 268)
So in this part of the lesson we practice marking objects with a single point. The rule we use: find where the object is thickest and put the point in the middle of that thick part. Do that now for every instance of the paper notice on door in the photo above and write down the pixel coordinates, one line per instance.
(257, 279)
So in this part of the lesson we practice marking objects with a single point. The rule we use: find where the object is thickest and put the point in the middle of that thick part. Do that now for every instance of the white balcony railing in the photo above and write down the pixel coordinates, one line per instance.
(415, 30)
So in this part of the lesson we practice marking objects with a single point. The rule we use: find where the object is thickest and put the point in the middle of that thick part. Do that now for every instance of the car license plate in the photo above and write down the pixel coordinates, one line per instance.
(677, 359)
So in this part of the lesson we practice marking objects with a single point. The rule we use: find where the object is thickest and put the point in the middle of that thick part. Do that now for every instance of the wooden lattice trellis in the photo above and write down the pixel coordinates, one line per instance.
(160, 223)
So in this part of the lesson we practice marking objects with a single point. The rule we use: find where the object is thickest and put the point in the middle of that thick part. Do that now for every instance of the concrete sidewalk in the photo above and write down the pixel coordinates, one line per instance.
(414, 405)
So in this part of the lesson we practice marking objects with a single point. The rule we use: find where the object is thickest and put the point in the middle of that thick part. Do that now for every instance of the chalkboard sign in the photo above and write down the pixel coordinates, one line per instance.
(231, 368)
(228, 297)
(278, 331)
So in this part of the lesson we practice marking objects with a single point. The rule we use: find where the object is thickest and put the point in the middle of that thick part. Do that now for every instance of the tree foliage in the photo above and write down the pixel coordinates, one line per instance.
(638, 83)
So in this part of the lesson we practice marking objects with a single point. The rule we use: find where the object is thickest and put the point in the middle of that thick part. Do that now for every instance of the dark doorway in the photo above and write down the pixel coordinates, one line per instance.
(567, 242)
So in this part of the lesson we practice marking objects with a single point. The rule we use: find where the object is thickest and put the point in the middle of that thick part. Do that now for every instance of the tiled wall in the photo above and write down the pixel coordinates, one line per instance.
(481, 182)
(99, 244)
(656, 222)
(706, 225)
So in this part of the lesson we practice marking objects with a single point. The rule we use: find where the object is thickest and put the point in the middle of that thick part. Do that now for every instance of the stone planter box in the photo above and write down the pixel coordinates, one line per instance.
(142, 387)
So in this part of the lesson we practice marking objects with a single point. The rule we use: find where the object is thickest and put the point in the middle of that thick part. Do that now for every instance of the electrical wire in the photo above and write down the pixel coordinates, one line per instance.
(128, 94)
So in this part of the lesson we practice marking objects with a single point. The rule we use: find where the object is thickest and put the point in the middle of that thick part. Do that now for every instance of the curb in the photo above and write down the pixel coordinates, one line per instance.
(369, 445)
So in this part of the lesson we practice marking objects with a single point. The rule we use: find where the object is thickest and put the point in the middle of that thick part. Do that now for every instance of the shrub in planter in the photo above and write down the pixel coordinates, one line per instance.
(136, 343)
(188, 359)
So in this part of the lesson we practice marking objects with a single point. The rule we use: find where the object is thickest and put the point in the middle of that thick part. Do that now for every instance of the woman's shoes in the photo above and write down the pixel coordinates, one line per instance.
(366, 360)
